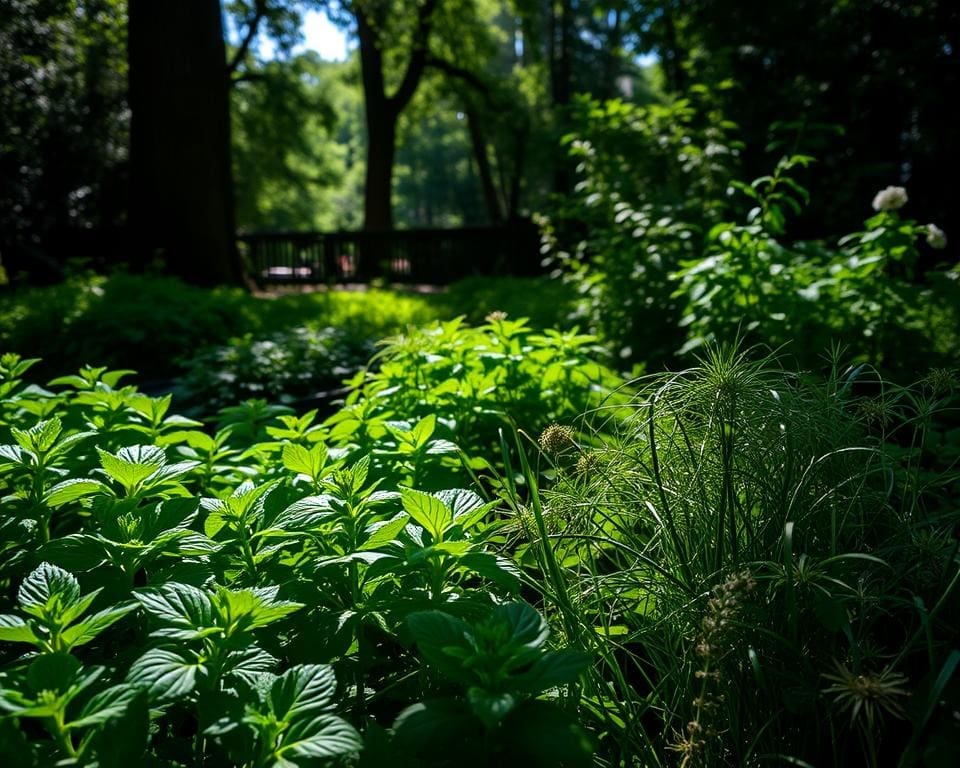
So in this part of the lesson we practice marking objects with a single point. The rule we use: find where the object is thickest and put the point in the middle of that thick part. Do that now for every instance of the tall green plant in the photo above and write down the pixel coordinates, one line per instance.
(746, 552)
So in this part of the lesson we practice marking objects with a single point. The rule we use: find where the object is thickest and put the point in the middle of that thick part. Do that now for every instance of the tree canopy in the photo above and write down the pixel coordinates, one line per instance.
(448, 112)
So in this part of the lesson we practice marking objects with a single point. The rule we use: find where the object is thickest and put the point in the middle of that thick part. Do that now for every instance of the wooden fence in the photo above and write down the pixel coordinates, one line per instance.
(415, 256)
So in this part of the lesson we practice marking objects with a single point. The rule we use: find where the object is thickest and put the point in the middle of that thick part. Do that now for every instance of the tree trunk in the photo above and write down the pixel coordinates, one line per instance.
(181, 204)
(383, 111)
(377, 197)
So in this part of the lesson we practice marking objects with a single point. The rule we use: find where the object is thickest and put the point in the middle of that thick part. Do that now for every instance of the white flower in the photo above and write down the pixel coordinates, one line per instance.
(936, 237)
(890, 199)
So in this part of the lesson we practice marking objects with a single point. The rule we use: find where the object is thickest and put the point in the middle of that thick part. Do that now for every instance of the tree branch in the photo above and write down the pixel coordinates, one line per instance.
(460, 73)
(260, 10)
(418, 58)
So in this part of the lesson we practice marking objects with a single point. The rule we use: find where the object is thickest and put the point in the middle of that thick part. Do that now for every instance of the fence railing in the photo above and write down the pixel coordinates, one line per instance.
(414, 256)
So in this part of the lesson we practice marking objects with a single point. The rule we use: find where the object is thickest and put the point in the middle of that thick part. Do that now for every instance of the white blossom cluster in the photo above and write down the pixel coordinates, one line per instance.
(890, 199)
(936, 237)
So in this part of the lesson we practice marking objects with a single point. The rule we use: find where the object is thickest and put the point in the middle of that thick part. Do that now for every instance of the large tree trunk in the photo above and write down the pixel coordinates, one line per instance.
(181, 205)
(383, 111)
(377, 198)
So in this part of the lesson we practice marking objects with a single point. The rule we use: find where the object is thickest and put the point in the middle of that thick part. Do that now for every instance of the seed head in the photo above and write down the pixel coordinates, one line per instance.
(940, 380)
(555, 438)
(496, 316)
(586, 463)
(867, 696)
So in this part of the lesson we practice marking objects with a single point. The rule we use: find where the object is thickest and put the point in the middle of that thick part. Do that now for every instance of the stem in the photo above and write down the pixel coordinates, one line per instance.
(62, 736)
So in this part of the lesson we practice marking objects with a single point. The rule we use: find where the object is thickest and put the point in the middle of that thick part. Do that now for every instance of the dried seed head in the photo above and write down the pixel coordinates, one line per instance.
(496, 316)
(586, 463)
(555, 438)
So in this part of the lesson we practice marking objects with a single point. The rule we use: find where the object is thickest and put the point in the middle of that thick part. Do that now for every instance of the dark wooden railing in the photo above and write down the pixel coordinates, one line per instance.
(414, 256)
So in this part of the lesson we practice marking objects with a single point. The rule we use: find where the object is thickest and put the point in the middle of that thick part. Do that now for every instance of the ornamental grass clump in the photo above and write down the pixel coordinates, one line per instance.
(830, 532)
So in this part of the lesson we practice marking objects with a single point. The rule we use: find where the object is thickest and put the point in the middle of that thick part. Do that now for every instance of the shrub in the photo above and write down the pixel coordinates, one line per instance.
(465, 384)
(285, 367)
(866, 291)
(651, 180)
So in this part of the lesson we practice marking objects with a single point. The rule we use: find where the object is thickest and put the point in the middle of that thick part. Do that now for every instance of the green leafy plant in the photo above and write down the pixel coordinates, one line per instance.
(193, 595)
(752, 282)
(502, 665)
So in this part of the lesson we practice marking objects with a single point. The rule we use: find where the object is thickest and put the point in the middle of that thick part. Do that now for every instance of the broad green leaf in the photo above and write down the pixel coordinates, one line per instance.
(40, 437)
(442, 448)
(437, 634)
(496, 568)
(55, 672)
(553, 668)
(165, 675)
(527, 627)
(12, 454)
(245, 498)
(437, 728)
(385, 533)
(253, 608)
(87, 629)
(490, 707)
(305, 461)
(170, 472)
(106, 705)
(48, 589)
(423, 430)
(121, 741)
(78, 552)
(321, 737)
(460, 501)
(170, 515)
(132, 465)
(181, 605)
(301, 690)
(303, 514)
(71, 490)
(429, 511)
(13, 629)
(250, 663)
(77, 609)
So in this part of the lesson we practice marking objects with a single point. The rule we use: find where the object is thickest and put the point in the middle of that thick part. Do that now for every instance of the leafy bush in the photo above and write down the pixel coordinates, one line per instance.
(866, 291)
(545, 302)
(465, 384)
(651, 242)
(285, 367)
(146, 323)
(155, 324)
(217, 599)
(652, 179)
(767, 566)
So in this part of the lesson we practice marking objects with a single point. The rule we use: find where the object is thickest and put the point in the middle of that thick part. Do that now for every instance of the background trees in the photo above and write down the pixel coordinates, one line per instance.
(63, 131)
(446, 111)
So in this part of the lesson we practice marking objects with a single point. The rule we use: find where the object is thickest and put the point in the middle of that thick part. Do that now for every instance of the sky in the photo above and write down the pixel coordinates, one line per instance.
(333, 44)
(321, 35)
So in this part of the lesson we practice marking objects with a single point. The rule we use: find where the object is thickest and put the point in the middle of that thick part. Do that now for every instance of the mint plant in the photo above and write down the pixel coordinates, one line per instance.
(53, 609)
(501, 666)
